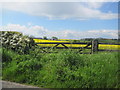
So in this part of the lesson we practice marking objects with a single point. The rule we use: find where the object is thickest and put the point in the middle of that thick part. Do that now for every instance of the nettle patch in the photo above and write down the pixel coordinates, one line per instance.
(16, 41)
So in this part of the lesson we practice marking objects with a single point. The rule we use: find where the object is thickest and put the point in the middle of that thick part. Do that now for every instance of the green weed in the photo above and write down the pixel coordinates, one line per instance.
(65, 69)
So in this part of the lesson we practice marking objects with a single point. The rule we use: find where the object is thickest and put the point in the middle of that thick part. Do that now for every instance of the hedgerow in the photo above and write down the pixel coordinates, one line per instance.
(16, 41)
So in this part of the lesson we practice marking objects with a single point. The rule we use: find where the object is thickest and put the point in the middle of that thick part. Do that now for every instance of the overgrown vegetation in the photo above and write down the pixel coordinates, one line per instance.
(65, 69)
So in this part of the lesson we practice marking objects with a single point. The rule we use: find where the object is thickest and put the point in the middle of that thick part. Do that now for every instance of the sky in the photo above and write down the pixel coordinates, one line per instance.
(65, 20)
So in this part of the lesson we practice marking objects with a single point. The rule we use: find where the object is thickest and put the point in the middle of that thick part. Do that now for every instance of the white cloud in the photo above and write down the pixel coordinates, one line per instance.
(80, 11)
(39, 31)
(59, 0)
(29, 24)
(93, 4)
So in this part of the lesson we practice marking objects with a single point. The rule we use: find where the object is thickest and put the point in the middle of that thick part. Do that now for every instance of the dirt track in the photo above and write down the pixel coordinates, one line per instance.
(7, 84)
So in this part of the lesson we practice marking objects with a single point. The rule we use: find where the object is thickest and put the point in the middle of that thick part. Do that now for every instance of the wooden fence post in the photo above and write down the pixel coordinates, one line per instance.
(94, 46)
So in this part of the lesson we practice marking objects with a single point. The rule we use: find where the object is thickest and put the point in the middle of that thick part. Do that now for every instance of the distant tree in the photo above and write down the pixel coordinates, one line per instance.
(75, 41)
(89, 39)
(54, 38)
(44, 37)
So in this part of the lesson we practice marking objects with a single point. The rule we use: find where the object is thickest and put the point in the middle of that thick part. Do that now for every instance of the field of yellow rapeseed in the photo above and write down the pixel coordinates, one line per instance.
(101, 46)
(111, 47)
(51, 45)
(41, 40)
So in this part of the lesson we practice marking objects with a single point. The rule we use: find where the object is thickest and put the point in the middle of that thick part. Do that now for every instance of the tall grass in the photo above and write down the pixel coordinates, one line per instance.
(65, 69)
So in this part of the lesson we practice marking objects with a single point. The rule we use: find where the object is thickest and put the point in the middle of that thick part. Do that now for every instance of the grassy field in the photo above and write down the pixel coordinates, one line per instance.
(65, 69)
